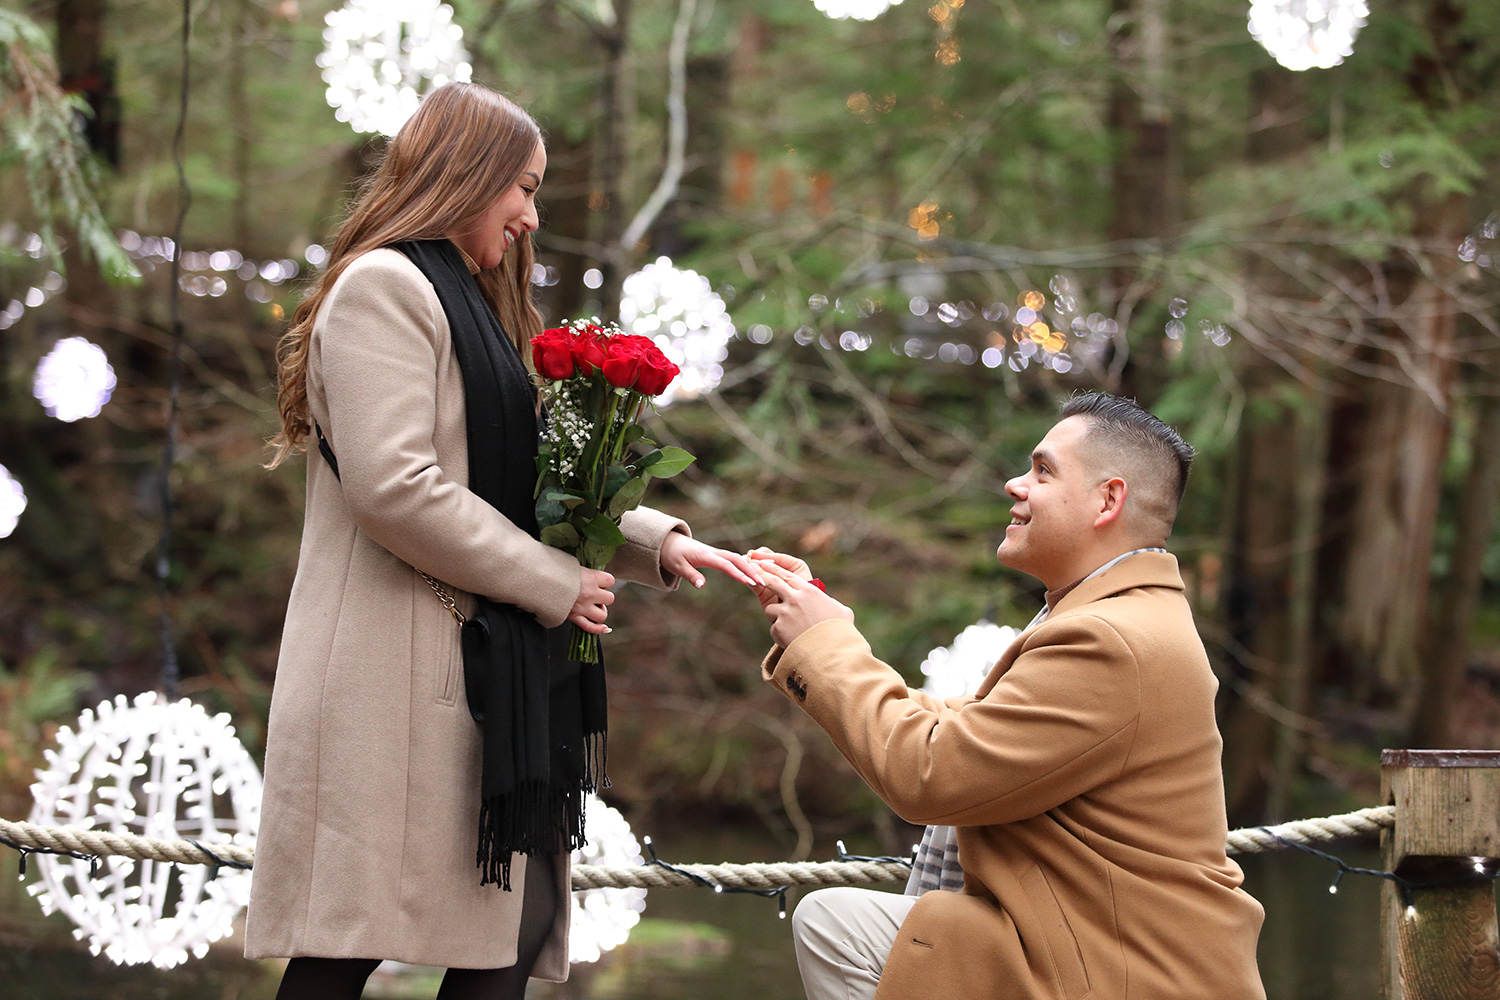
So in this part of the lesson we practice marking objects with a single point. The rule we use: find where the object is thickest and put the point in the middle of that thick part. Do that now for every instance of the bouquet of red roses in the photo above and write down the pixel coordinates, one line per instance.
(596, 380)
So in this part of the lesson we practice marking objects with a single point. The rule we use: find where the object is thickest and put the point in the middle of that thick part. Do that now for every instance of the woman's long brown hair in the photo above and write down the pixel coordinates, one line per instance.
(465, 146)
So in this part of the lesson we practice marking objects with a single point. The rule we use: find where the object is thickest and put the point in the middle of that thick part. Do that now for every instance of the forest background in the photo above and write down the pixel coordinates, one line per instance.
(1296, 269)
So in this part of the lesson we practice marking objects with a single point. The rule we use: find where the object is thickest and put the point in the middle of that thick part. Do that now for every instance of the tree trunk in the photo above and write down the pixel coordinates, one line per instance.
(1458, 593)
(608, 198)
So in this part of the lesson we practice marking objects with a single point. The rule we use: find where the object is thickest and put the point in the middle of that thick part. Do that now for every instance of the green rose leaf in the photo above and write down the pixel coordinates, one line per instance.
(561, 536)
(566, 497)
(549, 512)
(603, 530)
(616, 477)
(596, 554)
(628, 498)
(667, 462)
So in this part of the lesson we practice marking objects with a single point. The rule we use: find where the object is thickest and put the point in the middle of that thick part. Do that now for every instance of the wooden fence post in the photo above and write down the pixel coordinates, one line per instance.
(1441, 942)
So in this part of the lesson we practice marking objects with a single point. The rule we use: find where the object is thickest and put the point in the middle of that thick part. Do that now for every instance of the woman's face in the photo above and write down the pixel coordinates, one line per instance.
(510, 217)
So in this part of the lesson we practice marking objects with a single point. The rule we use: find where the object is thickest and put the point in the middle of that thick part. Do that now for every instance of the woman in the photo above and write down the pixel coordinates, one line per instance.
(374, 766)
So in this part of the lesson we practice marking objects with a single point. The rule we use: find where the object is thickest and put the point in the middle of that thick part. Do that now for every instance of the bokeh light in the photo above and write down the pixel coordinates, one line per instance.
(380, 56)
(602, 918)
(12, 502)
(957, 670)
(687, 319)
(74, 380)
(1303, 34)
(859, 10)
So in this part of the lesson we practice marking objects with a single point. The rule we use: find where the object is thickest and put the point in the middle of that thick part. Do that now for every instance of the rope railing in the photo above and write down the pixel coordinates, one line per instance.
(75, 841)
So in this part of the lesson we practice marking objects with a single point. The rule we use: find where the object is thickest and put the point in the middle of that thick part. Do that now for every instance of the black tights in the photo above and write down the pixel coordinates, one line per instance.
(344, 978)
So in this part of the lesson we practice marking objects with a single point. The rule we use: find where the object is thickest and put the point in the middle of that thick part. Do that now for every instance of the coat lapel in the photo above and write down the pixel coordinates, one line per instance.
(1147, 569)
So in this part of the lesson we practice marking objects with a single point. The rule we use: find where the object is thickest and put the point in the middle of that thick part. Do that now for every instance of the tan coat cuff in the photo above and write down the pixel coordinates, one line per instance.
(639, 559)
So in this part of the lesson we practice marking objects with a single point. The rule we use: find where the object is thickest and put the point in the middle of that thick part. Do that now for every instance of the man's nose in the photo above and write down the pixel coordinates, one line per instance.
(1015, 488)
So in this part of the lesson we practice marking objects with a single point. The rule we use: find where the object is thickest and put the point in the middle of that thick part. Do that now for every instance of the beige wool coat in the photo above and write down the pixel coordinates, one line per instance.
(1084, 777)
(370, 819)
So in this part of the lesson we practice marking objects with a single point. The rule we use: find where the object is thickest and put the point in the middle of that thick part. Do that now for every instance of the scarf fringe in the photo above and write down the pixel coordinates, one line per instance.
(537, 818)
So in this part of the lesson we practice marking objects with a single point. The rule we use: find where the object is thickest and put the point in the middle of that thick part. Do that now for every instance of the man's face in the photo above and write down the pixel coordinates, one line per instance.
(1055, 508)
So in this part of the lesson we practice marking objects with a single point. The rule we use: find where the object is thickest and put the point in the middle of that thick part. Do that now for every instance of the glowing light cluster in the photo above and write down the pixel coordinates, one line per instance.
(859, 10)
(957, 670)
(12, 502)
(1303, 34)
(380, 56)
(686, 318)
(157, 769)
(602, 918)
(74, 380)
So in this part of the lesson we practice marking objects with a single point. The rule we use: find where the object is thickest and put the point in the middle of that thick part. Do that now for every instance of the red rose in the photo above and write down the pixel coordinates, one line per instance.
(657, 372)
(589, 349)
(625, 359)
(552, 353)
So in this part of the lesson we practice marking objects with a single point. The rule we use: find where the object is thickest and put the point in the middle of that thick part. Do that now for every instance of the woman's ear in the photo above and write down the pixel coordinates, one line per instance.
(1112, 493)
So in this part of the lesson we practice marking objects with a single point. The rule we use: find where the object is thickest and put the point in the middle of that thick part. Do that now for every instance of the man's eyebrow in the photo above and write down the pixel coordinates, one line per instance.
(1043, 455)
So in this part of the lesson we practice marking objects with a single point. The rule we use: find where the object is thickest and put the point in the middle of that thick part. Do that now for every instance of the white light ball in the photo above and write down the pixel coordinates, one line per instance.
(957, 670)
(154, 769)
(381, 56)
(602, 918)
(687, 319)
(12, 502)
(73, 380)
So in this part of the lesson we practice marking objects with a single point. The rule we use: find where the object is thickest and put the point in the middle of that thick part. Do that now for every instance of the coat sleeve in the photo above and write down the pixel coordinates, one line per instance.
(375, 349)
(1060, 721)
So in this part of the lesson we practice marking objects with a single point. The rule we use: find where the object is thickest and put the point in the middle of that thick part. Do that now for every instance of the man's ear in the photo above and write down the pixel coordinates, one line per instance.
(1112, 493)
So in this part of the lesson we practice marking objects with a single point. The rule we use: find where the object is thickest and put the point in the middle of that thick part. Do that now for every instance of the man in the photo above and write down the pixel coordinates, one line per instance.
(1083, 777)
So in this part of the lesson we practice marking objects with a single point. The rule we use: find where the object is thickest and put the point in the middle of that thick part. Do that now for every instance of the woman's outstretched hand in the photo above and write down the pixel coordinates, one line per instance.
(683, 556)
(594, 599)
(793, 604)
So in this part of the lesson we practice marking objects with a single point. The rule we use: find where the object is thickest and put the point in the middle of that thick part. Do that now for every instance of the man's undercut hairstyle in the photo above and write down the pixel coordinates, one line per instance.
(1154, 456)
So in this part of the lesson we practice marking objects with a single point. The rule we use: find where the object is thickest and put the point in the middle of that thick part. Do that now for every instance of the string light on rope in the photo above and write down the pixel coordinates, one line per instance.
(156, 769)
(603, 918)
(73, 380)
(12, 502)
(957, 670)
(687, 319)
(1303, 34)
(380, 56)
(859, 10)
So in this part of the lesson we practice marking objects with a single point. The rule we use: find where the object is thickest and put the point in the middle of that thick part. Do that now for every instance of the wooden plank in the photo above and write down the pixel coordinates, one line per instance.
(1441, 942)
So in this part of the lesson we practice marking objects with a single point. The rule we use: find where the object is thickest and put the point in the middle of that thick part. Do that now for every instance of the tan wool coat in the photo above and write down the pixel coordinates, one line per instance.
(370, 819)
(1085, 779)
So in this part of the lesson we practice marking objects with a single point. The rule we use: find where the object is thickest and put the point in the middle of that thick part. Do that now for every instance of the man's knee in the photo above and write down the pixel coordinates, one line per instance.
(821, 913)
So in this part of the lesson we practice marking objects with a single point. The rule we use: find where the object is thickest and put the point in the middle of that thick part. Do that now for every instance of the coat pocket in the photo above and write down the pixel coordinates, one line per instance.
(435, 647)
(1062, 943)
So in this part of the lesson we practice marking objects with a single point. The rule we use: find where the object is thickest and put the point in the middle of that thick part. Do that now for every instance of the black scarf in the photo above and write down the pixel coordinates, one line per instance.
(543, 716)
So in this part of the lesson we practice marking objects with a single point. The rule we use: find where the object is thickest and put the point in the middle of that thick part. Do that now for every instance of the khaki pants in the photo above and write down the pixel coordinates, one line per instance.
(843, 936)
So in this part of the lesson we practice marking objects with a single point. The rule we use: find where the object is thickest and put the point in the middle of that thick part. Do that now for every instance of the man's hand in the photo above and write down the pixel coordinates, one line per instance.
(682, 555)
(791, 564)
(795, 605)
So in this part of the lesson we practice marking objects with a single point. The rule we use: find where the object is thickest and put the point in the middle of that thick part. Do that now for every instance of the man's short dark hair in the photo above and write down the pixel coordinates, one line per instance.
(1133, 427)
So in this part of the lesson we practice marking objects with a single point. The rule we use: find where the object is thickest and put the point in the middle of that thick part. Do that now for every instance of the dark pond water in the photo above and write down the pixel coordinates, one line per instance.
(695, 944)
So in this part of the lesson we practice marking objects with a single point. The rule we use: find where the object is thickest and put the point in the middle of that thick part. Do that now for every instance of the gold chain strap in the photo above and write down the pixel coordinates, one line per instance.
(446, 598)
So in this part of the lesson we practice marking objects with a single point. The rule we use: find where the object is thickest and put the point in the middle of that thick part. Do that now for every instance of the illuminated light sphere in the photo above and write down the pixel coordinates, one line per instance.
(74, 380)
(859, 10)
(681, 312)
(380, 56)
(1303, 34)
(157, 769)
(602, 918)
(12, 502)
(958, 670)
